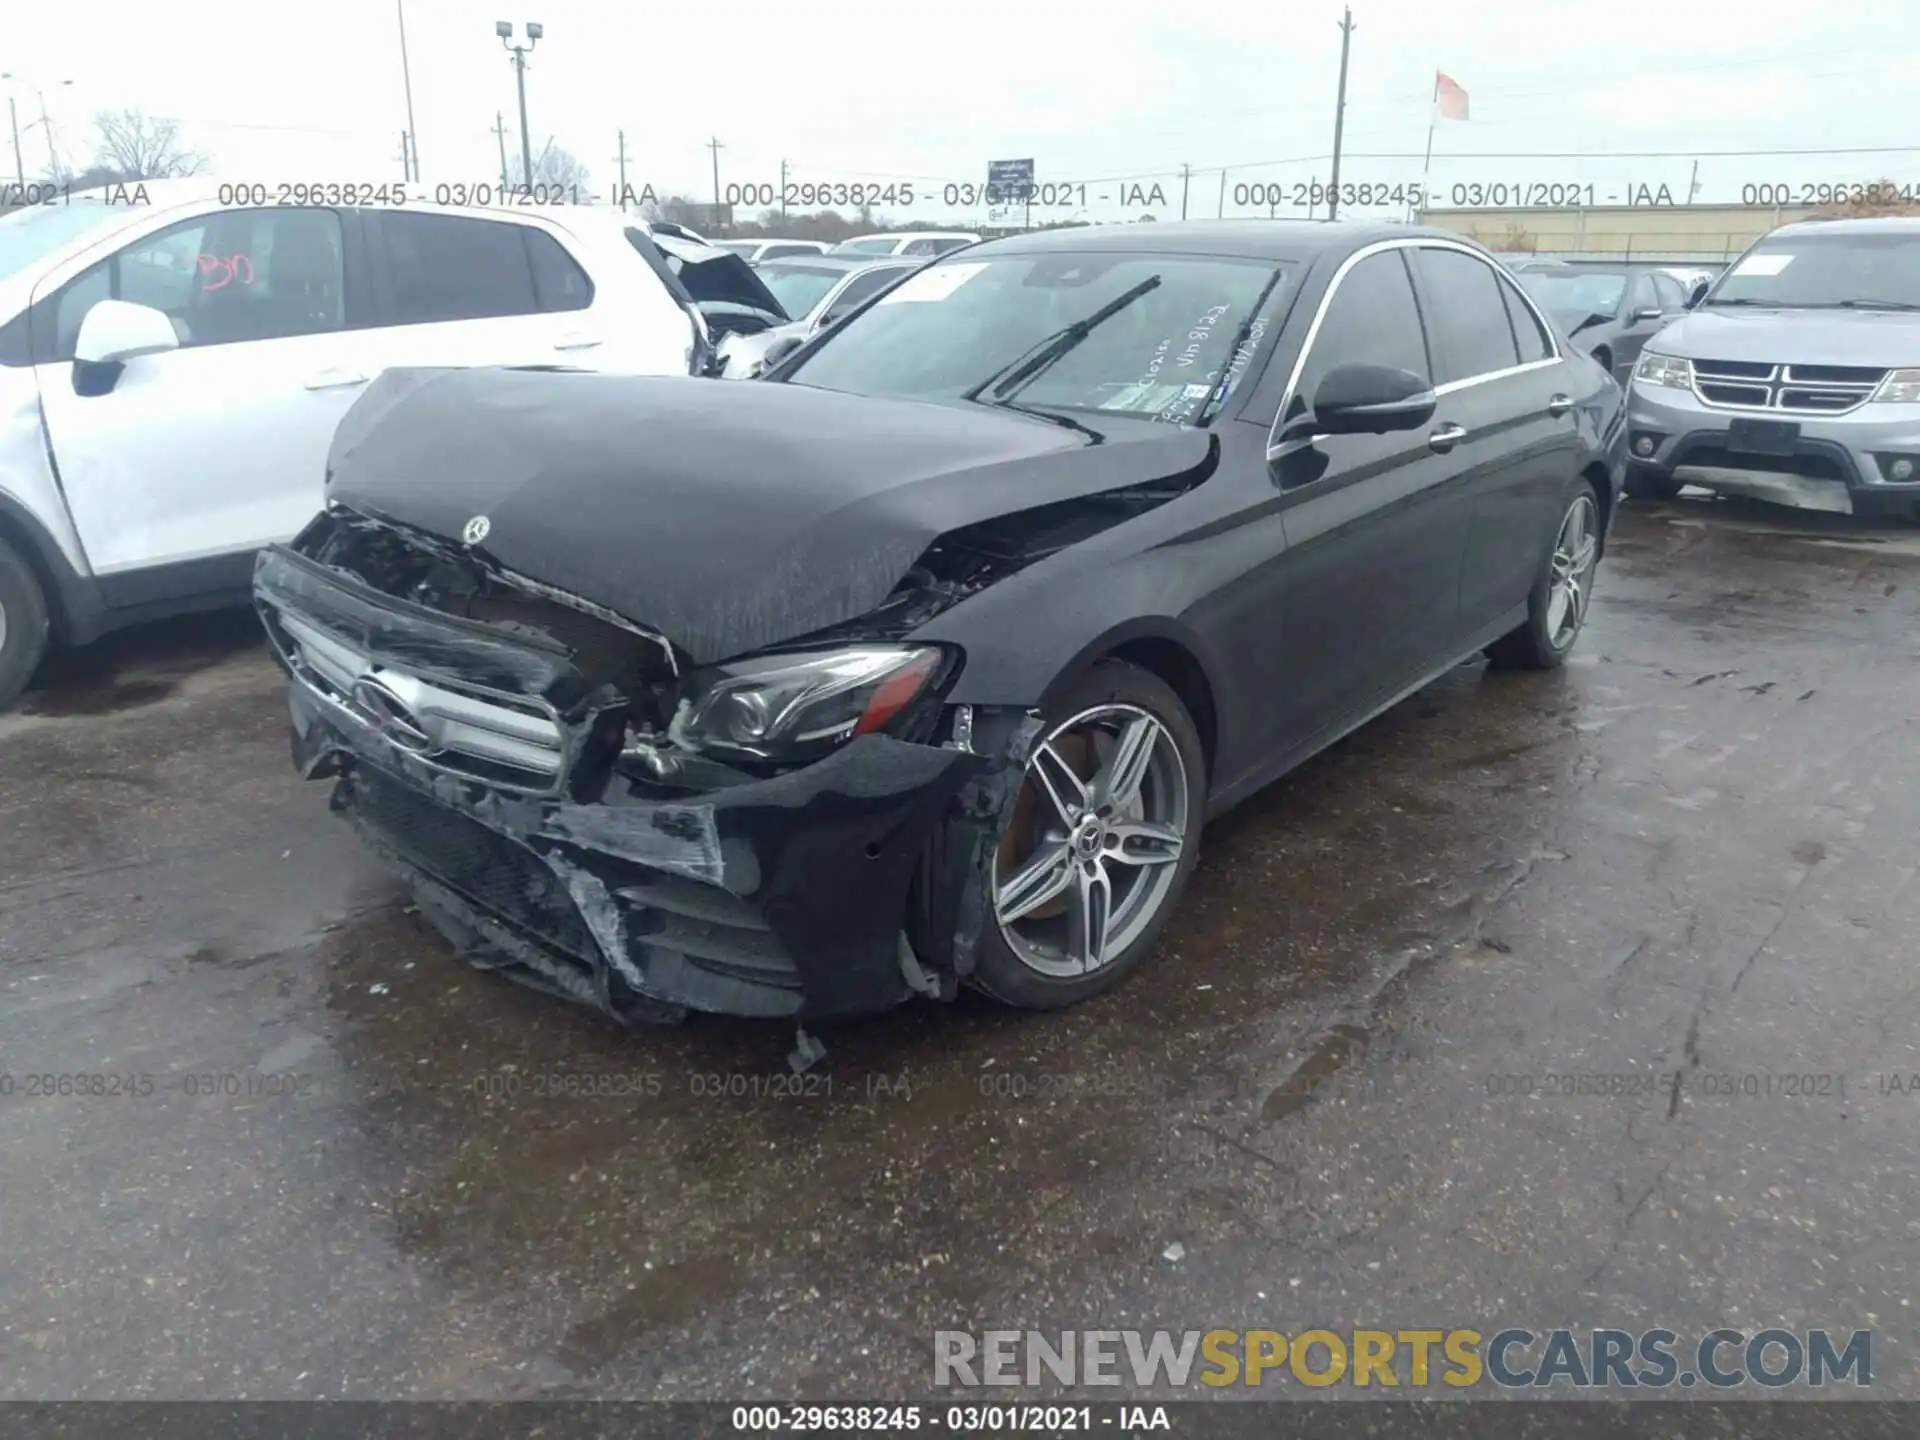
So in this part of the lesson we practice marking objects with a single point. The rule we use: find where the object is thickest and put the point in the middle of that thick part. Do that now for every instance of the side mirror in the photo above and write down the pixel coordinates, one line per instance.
(829, 320)
(1647, 312)
(116, 331)
(779, 350)
(1370, 400)
(1699, 294)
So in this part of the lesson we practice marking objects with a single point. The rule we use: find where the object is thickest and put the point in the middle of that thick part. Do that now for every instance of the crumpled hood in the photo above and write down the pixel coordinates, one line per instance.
(713, 274)
(727, 517)
(1880, 338)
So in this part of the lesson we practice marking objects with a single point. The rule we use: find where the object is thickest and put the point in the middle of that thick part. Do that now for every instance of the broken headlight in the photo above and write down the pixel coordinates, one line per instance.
(798, 707)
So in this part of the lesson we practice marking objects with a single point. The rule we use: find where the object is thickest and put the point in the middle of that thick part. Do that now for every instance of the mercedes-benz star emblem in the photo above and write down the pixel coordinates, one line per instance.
(389, 714)
(476, 530)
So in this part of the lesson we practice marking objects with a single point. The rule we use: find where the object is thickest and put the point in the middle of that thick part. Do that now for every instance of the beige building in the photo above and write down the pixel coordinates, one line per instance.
(1669, 233)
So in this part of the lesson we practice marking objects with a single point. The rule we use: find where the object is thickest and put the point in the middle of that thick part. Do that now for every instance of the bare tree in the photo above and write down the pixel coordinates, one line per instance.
(555, 169)
(1882, 197)
(142, 147)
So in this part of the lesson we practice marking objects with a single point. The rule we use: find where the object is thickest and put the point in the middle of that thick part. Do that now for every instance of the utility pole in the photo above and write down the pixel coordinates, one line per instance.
(1339, 113)
(19, 164)
(714, 146)
(621, 160)
(406, 169)
(1221, 210)
(410, 160)
(535, 30)
(1693, 183)
(1186, 173)
(783, 193)
(500, 134)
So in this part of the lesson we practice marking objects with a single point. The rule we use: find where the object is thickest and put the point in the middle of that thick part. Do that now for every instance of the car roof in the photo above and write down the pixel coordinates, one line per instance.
(1852, 225)
(1298, 240)
(846, 262)
(915, 235)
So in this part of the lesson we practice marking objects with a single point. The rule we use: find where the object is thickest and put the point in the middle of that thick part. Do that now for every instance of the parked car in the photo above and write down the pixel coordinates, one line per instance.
(913, 242)
(1609, 311)
(1795, 378)
(922, 660)
(171, 372)
(754, 251)
(816, 292)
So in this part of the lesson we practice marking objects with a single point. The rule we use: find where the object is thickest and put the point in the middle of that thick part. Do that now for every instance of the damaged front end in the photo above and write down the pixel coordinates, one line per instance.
(575, 802)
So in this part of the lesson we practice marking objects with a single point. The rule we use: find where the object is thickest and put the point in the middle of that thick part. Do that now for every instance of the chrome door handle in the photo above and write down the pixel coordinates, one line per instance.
(1559, 405)
(577, 341)
(335, 379)
(1445, 438)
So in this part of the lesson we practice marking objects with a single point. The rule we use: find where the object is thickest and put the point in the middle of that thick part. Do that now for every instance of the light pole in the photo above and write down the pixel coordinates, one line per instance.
(53, 155)
(411, 161)
(504, 29)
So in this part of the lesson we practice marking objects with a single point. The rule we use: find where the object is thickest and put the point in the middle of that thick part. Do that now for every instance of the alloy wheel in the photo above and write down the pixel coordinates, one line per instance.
(1094, 846)
(1574, 554)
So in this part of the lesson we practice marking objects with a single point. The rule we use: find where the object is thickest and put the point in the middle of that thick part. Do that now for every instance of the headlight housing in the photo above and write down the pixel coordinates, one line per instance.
(1901, 387)
(1670, 370)
(800, 706)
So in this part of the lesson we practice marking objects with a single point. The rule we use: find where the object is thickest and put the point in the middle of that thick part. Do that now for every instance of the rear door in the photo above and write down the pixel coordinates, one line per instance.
(1500, 368)
(1374, 523)
(196, 457)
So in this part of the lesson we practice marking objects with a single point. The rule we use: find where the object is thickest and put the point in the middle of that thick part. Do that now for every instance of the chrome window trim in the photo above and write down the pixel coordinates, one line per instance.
(1411, 242)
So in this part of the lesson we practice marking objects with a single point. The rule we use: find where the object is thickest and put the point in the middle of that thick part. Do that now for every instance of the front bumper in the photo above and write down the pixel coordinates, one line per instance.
(1838, 463)
(793, 896)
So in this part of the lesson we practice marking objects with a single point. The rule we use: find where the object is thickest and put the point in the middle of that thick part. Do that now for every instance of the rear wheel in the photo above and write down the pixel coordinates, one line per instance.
(1603, 357)
(1103, 837)
(23, 624)
(1557, 608)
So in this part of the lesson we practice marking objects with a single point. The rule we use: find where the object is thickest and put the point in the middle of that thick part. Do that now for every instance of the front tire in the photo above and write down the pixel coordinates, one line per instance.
(1101, 842)
(23, 625)
(1644, 484)
(1557, 606)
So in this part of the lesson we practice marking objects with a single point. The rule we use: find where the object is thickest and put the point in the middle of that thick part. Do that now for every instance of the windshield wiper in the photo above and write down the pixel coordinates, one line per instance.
(1875, 305)
(1743, 300)
(1050, 348)
(1224, 388)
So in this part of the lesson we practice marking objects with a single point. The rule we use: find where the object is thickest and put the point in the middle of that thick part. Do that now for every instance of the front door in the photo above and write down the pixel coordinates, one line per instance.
(198, 456)
(1374, 523)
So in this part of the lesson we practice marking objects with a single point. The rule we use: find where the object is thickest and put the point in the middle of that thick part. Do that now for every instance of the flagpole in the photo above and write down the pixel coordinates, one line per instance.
(1433, 118)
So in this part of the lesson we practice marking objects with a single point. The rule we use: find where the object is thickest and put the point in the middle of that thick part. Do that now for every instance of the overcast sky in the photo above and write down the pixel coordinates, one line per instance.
(1111, 94)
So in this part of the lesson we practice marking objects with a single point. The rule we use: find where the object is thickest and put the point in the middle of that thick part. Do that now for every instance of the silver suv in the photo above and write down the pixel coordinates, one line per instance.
(1796, 378)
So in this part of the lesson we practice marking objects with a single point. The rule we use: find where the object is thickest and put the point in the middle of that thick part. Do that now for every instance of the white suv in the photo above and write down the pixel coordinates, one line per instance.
(171, 372)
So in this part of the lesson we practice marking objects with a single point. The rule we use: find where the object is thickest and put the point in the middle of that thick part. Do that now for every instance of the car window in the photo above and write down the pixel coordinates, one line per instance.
(1671, 295)
(1162, 338)
(223, 279)
(1371, 320)
(865, 247)
(446, 267)
(921, 247)
(1535, 342)
(943, 247)
(775, 252)
(1642, 295)
(867, 282)
(1471, 333)
(558, 281)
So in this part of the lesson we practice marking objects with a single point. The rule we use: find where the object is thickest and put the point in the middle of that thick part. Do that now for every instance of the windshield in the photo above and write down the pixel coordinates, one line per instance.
(1578, 293)
(1159, 332)
(1820, 270)
(33, 232)
(799, 288)
(881, 246)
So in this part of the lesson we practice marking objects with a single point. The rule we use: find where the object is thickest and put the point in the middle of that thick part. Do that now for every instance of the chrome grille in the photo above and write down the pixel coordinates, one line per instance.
(1806, 389)
(508, 741)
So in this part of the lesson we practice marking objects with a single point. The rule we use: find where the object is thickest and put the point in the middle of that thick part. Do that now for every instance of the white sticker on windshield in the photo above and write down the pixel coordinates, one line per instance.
(936, 282)
(1763, 265)
(1198, 392)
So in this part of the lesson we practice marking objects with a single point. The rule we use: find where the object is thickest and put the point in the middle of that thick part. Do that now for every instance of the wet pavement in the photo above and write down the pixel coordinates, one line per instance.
(341, 1165)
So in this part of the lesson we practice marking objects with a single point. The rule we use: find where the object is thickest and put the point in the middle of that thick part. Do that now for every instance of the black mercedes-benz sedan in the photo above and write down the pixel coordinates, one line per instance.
(923, 660)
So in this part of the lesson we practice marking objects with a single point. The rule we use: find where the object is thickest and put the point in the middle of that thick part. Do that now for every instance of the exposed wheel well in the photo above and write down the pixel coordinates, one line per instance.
(22, 544)
(1605, 356)
(1175, 664)
(1602, 483)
